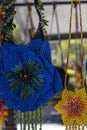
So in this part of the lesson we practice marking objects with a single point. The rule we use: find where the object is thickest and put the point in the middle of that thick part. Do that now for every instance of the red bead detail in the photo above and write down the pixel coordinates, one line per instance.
(74, 106)
(25, 76)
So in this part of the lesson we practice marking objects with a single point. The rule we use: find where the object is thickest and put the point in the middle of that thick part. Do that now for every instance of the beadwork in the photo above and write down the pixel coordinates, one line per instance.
(73, 107)
(25, 69)
(6, 17)
(26, 75)
(1, 24)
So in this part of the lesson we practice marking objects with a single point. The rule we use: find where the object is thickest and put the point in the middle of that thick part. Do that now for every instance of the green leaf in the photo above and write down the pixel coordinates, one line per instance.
(38, 81)
(12, 74)
(40, 6)
(25, 91)
(45, 22)
(13, 85)
(39, 70)
(33, 88)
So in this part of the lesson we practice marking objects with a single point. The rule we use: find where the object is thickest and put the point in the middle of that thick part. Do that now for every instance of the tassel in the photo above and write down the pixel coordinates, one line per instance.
(24, 115)
(15, 117)
(66, 128)
(73, 127)
(82, 127)
(40, 118)
(28, 120)
(78, 127)
(32, 121)
(36, 119)
(70, 128)
(21, 119)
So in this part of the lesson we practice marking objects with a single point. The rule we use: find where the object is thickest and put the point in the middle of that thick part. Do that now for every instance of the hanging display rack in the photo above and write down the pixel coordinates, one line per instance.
(51, 3)
(63, 36)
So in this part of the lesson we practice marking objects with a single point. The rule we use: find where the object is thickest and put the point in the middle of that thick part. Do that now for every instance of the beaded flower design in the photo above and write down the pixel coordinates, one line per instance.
(26, 77)
(73, 107)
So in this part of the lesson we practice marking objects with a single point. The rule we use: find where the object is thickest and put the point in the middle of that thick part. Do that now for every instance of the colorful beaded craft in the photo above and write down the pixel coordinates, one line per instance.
(73, 107)
(28, 77)
(6, 17)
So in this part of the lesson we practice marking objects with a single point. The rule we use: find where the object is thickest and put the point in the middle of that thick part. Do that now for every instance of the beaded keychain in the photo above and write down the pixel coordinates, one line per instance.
(73, 105)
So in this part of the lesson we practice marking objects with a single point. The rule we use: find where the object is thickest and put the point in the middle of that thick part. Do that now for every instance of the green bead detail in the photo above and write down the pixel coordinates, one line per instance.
(28, 78)
(43, 21)
(8, 15)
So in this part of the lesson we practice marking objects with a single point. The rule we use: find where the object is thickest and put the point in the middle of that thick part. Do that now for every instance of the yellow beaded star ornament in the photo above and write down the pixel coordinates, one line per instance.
(73, 105)
(73, 108)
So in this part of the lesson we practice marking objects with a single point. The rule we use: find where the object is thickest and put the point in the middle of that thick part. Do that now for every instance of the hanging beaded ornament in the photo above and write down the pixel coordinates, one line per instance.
(6, 17)
(28, 77)
(73, 105)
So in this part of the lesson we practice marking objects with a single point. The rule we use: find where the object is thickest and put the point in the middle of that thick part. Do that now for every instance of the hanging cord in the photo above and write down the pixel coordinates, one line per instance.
(29, 19)
(41, 31)
(78, 72)
(26, 30)
(36, 119)
(77, 28)
(40, 117)
(58, 31)
(32, 29)
(82, 48)
(15, 117)
(21, 120)
(32, 120)
(24, 117)
(69, 45)
(28, 116)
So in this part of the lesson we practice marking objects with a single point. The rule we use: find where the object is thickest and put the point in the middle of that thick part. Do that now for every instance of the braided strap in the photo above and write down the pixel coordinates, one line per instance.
(42, 21)
(6, 18)
(1, 23)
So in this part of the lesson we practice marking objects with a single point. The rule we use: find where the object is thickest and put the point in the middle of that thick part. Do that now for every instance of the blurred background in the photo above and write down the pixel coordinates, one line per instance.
(57, 12)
